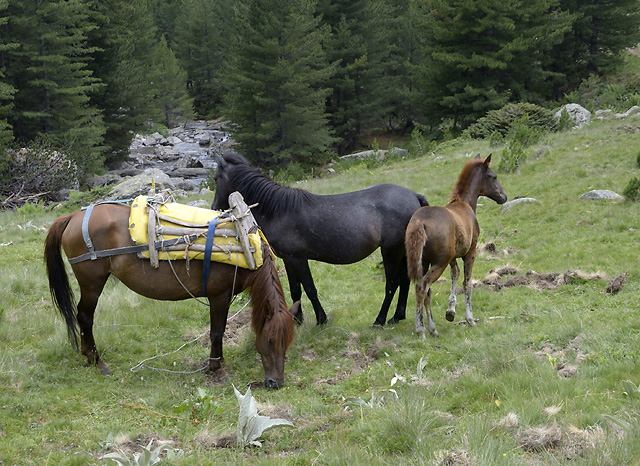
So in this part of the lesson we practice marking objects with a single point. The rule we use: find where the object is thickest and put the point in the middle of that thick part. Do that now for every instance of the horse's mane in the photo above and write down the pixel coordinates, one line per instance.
(463, 179)
(268, 302)
(271, 197)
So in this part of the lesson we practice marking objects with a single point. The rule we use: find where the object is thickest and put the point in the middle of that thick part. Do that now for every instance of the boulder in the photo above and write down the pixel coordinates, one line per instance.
(577, 113)
(140, 184)
(601, 194)
(520, 200)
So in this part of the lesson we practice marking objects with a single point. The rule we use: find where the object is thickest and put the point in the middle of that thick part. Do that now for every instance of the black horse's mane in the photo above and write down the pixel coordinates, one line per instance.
(271, 197)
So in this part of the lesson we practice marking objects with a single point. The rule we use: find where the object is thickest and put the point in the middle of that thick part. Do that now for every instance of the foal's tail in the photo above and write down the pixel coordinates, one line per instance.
(59, 285)
(415, 239)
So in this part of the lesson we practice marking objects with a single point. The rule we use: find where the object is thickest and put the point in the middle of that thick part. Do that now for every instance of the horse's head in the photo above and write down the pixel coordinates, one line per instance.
(272, 341)
(223, 184)
(223, 176)
(490, 187)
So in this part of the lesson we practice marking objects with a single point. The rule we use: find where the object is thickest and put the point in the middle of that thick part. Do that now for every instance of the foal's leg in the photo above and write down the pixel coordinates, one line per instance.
(467, 285)
(455, 273)
(423, 295)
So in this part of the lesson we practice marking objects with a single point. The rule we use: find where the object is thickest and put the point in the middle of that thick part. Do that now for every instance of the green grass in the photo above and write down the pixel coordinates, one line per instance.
(54, 410)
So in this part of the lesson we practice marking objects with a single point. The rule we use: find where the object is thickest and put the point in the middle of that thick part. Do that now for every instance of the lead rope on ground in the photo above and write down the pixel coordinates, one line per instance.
(142, 364)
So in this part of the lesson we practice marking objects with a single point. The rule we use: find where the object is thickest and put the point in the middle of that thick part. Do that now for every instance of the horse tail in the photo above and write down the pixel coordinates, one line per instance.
(59, 286)
(422, 200)
(415, 239)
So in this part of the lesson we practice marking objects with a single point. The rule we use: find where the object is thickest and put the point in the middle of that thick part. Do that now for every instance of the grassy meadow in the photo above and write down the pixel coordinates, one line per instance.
(548, 376)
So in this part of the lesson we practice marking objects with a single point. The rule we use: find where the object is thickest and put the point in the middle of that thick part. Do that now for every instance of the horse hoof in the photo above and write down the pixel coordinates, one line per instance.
(377, 325)
(220, 376)
(450, 316)
(395, 320)
(322, 321)
(103, 368)
(471, 323)
(298, 320)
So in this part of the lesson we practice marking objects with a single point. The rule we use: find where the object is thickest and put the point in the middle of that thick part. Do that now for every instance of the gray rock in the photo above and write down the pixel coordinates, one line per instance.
(601, 194)
(140, 184)
(578, 114)
(508, 205)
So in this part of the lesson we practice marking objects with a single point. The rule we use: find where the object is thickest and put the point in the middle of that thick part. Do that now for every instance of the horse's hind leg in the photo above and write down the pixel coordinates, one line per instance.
(467, 286)
(455, 273)
(395, 270)
(89, 294)
(423, 295)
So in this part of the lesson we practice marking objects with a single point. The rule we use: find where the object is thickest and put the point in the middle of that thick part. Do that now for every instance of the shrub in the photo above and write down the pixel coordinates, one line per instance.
(632, 191)
(504, 119)
(35, 172)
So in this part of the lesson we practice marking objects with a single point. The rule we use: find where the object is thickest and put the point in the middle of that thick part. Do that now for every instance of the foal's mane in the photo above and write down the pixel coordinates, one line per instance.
(268, 302)
(271, 197)
(464, 179)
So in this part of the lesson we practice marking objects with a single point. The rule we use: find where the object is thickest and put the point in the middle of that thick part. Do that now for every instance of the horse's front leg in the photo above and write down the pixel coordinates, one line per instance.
(301, 271)
(295, 288)
(218, 310)
(455, 273)
(467, 286)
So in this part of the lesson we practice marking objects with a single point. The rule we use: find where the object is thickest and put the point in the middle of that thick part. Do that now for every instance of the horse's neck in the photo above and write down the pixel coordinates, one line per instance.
(471, 192)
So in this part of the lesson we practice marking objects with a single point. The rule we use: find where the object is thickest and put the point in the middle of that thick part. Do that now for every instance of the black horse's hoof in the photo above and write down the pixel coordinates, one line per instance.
(322, 321)
(377, 325)
(395, 319)
(450, 316)
(298, 319)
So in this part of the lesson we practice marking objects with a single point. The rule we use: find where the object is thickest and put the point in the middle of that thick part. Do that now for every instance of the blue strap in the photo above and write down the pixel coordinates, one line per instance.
(206, 267)
(85, 232)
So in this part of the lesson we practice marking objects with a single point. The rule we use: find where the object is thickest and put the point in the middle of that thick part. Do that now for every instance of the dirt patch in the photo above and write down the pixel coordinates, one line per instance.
(507, 277)
(454, 458)
(539, 438)
(237, 327)
(616, 283)
(558, 356)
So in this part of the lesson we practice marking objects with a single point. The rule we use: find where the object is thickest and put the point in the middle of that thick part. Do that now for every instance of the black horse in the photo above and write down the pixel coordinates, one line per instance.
(338, 228)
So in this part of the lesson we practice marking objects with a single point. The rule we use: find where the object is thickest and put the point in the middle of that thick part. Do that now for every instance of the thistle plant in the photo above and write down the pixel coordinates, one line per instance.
(145, 458)
(251, 425)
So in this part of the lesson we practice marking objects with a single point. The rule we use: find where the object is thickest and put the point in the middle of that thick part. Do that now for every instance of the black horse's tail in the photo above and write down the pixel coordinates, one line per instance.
(415, 239)
(423, 200)
(59, 285)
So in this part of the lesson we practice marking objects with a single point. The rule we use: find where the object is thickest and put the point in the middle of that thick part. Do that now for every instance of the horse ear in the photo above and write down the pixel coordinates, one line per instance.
(478, 156)
(294, 309)
(487, 161)
(220, 161)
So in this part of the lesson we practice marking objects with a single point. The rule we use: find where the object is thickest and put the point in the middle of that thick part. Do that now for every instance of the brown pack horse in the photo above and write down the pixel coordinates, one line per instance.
(437, 236)
(108, 229)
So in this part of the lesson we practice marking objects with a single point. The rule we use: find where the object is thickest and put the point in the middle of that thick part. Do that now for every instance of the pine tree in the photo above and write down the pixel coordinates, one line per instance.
(170, 83)
(356, 45)
(276, 79)
(600, 32)
(6, 90)
(483, 54)
(202, 34)
(53, 82)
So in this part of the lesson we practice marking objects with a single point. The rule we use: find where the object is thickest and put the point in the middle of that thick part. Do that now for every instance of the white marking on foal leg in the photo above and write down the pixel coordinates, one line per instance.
(455, 273)
(431, 325)
(468, 315)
